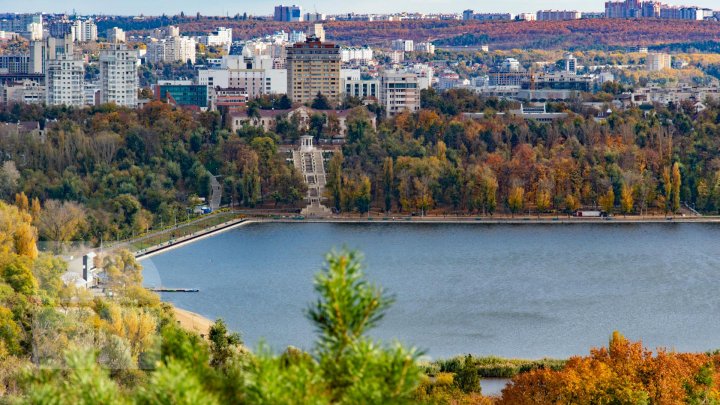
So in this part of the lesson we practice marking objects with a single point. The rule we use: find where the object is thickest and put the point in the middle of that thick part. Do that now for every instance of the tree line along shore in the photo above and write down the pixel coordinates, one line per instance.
(109, 173)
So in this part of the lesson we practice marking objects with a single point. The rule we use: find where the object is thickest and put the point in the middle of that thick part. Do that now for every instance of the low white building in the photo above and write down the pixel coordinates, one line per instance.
(25, 92)
(221, 37)
(361, 55)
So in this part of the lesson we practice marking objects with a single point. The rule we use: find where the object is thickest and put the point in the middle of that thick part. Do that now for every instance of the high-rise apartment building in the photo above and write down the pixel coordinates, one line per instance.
(49, 49)
(14, 63)
(658, 61)
(313, 67)
(84, 31)
(118, 76)
(558, 15)
(115, 35)
(64, 80)
(171, 49)
(315, 17)
(21, 23)
(404, 45)
(288, 13)
(399, 91)
(318, 31)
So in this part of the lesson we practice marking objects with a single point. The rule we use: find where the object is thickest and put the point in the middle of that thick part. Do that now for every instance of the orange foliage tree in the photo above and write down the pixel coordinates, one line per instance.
(623, 373)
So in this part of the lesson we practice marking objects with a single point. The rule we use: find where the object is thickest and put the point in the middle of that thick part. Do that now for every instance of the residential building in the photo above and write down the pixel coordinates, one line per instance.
(362, 88)
(164, 32)
(315, 17)
(558, 15)
(404, 45)
(251, 80)
(564, 85)
(655, 9)
(288, 13)
(34, 31)
(359, 55)
(84, 31)
(60, 28)
(17, 63)
(399, 91)
(25, 91)
(471, 15)
(657, 61)
(508, 73)
(526, 17)
(312, 68)
(171, 49)
(318, 31)
(592, 15)
(426, 47)
(28, 25)
(673, 94)
(448, 80)
(221, 37)
(229, 100)
(64, 80)
(115, 35)
(296, 36)
(118, 76)
(91, 93)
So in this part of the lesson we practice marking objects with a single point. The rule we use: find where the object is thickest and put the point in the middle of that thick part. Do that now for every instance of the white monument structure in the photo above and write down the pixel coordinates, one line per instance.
(309, 161)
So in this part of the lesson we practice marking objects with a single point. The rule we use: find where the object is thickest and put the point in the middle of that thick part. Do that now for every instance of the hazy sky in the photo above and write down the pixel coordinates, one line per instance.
(265, 7)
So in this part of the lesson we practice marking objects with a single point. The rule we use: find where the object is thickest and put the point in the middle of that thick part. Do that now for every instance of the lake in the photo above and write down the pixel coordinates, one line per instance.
(528, 291)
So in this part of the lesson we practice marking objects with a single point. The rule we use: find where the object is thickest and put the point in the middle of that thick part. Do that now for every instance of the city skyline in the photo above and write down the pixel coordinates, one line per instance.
(265, 7)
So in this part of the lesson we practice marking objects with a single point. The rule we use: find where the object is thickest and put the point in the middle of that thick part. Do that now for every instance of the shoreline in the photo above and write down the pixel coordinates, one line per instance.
(491, 220)
(438, 220)
(192, 322)
(167, 246)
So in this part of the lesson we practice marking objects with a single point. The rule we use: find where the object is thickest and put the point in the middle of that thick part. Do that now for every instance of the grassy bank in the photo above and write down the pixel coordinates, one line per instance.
(492, 366)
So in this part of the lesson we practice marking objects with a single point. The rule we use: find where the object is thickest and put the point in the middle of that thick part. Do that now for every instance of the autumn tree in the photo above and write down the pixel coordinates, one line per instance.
(61, 221)
(626, 199)
(571, 204)
(542, 201)
(607, 201)
(676, 183)
(388, 183)
(516, 200)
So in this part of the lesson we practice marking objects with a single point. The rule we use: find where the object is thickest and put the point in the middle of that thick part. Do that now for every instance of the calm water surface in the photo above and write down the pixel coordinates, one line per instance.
(509, 290)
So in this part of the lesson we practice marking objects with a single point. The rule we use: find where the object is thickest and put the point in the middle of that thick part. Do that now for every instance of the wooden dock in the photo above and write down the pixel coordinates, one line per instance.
(174, 290)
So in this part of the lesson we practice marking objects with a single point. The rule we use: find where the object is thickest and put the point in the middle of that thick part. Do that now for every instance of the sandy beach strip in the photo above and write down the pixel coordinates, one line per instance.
(192, 322)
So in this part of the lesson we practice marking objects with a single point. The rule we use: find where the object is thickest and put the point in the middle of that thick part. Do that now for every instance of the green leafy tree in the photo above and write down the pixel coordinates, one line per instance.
(321, 102)
(467, 378)
(222, 343)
